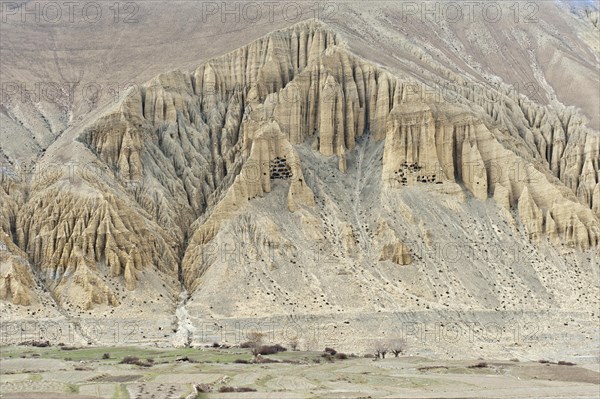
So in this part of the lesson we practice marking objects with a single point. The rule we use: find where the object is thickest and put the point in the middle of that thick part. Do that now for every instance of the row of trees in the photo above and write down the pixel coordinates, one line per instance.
(381, 348)
(395, 346)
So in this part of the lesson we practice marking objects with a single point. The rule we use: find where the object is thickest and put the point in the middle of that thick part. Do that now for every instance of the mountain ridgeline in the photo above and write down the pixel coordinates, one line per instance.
(237, 173)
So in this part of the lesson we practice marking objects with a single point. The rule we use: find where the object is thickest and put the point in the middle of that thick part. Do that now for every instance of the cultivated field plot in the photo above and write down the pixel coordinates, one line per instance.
(78, 373)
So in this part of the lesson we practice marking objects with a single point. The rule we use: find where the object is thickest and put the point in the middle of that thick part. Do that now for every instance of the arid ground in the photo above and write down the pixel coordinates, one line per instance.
(78, 373)
(345, 173)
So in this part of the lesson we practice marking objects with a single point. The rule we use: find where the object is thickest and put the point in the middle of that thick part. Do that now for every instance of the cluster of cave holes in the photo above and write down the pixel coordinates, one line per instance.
(279, 169)
(407, 169)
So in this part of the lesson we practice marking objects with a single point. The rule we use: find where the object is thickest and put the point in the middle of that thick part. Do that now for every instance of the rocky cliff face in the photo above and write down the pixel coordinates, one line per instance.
(293, 142)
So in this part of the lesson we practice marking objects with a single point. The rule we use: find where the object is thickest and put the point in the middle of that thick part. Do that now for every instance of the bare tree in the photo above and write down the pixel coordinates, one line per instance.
(398, 346)
(255, 341)
(381, 349)
(294, 342)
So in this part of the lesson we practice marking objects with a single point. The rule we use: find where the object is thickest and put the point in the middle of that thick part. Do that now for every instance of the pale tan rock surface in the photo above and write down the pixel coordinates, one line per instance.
(292, 176)
(16, 283)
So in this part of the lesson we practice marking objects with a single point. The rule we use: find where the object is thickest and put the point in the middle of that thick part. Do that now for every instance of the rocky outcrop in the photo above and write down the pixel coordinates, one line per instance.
(473, 171)
(267, 144)
(397, 253)
(393, 249)
(410, 154)
(531, 215)
(178, 160)
(17, 284)
(75, 241)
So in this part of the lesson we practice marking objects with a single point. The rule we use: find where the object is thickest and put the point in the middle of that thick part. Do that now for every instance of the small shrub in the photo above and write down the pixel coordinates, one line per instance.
(327, 356)
(136, 361)
(246, 345)
(480, 365)
(369, 356)
(185, 359)
(106, 356)
(38, 344)
(544, 361)
(245, 389)
(130, 360)
(331, 351)
(226, 388)
(565, 363)
(341, 356)
(280, 348)
(514, 360)
(271, 349)
(427, 368)
(215, 345)
(241, 361)
(261, 359)
(266, 350)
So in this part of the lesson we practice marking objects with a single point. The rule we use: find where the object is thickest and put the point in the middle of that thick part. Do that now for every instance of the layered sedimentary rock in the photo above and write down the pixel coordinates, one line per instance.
(174, 146)
(393, 248)
(76, 241)
(267, 144)
(180, 160)
(16, 280)
(397, 253)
